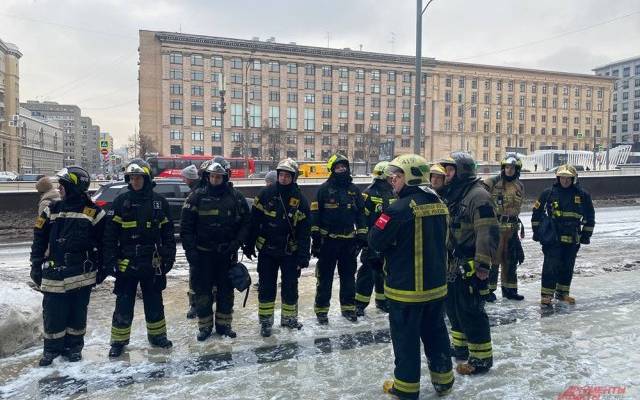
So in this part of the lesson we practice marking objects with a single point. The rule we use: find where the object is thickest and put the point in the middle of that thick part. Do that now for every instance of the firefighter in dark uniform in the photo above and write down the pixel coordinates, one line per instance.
(473, 243)
(280, 229)
(411, 234)
(215, 223)
(377, 197)
(436, 179)
(71, 230)
(507, 192)
(573, 216)
(339, 231)
(192, 176)
(140, 248)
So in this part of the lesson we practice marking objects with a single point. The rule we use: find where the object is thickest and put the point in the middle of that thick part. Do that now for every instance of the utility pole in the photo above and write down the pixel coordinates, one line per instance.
(417, 134)
(222, 111)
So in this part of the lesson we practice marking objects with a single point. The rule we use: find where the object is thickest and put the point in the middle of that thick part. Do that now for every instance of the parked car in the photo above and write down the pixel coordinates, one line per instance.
(29, 177)
(8, 176)
(174, 190)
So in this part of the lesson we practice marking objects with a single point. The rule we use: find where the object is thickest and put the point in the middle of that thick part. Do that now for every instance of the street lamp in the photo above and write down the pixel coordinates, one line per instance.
(245, 143)
(222, 110)
(416, 113)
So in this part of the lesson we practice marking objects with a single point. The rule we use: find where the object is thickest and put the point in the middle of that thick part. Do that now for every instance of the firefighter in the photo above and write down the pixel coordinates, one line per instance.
(436, 178)
(215, 223)
(377, 197)
(280, 229)
(507, 192)
(66, 263)
(192, 176)
(412, 233)
(573, 217)
(472, 246)
(339, 231)
(140, 248)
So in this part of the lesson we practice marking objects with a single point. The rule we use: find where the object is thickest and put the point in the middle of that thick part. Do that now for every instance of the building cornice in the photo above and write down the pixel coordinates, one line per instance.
(10, 48)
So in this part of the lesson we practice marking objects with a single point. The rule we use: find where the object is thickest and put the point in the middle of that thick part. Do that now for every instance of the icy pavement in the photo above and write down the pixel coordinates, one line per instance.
(537, 355)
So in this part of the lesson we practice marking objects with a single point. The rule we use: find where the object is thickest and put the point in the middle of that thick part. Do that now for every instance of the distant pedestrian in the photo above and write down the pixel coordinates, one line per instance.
(47, 193)
(270, 178)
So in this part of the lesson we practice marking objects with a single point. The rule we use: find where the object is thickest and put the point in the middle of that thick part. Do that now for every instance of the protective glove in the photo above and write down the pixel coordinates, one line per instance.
(36, 273)
(585, 239)
(101, 275)
(249, 251)
(166, 266)
(519, 252)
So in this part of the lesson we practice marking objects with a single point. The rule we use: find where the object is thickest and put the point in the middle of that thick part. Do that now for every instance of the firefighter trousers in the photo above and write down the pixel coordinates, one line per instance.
(268, 267)
(409, 324)
(342, 252)
(369, 275)
(557, 269)
(213, 271)
(65, 320)
(507, 261)
(125, 291)
(470, 332)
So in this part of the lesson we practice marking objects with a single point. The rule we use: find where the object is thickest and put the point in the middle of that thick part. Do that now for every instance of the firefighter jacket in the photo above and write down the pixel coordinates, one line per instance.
(571, 210)
(411, 234)
(338, 211)
(507, 197)
(214, 218)
(377, 198)
(281, 223)
(474, 228)
(138, 238)
(72, 230)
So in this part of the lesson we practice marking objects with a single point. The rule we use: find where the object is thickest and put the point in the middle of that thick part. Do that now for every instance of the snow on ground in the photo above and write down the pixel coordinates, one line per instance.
(537, 355)
(20, 317)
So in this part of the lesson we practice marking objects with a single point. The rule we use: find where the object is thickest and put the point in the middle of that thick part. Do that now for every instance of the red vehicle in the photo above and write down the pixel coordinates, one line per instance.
(171, 166)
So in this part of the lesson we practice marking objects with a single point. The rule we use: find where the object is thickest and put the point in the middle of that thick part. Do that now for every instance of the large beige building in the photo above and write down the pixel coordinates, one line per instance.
(9, 106)
(308, 102)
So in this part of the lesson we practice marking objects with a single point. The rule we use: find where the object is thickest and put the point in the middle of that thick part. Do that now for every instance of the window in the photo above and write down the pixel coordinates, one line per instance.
(197, 136)
(309, 98)
(391, 76)
(175, 119)
(175, 105)
(236, 63)
(197, 75)
(255, 94)
(461, 82)
(274, 95)
(375, 75)
(255, 116)
(375, 115)
(326, 70)
(406, 77)
(391, 129)
(343, 72)
(406, 130)
(309, 84)
(326, 113)
(216, 122)
(309, 139)
(175, 88)
(359, 87)
(310, 69)
(343, 128)
(343, 114)
(326, 127)
(292, 97)
(344, 100)
(274, 117)
(236, 137)
(255, 80)
(391, 103)
(292, 68)
(343, 87)
(197, 105)
(375, 88)
(175, 58)
(175, 74)
(216, 61)
(196, 59)
(274, 82)
(360, 101)
(391, 116)
(359, 114)
(197, 150)
(175, 135)
(236, 93)
(326, 99)
(327, 86)
(197, 120)
(359, 73)
(236, 115)
(292, 118)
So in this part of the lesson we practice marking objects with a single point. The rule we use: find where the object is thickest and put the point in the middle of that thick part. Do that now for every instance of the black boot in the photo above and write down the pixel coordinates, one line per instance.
(491, 297)
(511, 294)
(225, 331)
(203, 334)
(323, 319)
(161, 342)
(116, 350)
(359, 310)
(191, 314)
(265, 329)
(47, 358)
(382, 306)
(350, 315)
(74, 355)
(291, 323)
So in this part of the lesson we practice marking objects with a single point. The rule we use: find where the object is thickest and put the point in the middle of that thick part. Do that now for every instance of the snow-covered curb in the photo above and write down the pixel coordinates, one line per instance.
(20, 317)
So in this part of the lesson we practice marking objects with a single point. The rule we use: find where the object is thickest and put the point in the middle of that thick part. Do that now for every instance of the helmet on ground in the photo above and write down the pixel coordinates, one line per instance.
(511, 159)
(190, 172)
(414, 167)
(567, 170)
(74, 177)
(137, 166)
(289, 165)
(463, 162)
(378, 170)
(437, 169)
(337, 159)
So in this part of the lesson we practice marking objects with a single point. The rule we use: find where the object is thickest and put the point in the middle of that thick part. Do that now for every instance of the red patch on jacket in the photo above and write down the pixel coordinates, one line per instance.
(382, 220)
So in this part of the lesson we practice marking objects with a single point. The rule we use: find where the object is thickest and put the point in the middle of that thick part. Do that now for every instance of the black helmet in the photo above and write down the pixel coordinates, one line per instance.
(137, 166)
(225, 164)
(464, 163)
(74, 177)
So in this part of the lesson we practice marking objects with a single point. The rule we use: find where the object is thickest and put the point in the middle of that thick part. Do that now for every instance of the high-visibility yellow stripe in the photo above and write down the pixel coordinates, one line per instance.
(71, 215)
(407, 387)
(76, 332)
(317, 309)
(347, 307)
(587, 228)
(566, 239)
(380, 296)
(164, 221)
(459, 335)
(567, 214)
(547, 291)
(362, 298)
(418, 261)
(330, 205)
(442, 378)
(480, 346)
(429, 210)
(56, 335)
(215, 211)
(562, 287)
(156, 324)
(412, 296)
(314, 206)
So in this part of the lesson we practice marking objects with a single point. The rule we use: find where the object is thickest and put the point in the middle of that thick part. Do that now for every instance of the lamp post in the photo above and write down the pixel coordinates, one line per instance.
(222, 110)
(417, 103)
(246, 116)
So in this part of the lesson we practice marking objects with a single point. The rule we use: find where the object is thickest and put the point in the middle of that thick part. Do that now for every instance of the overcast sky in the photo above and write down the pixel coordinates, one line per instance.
(84, 52)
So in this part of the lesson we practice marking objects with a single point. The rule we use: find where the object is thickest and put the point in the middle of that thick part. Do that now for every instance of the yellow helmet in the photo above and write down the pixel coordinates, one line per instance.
(437, 169)
(414, 167)
(335, 159)
(567, 170)
(378, 170)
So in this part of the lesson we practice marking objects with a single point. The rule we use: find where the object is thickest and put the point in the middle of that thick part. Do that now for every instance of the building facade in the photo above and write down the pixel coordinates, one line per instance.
(90, 154)
(625, 108)
(40, 145)
(9, 106)
(309, 102)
